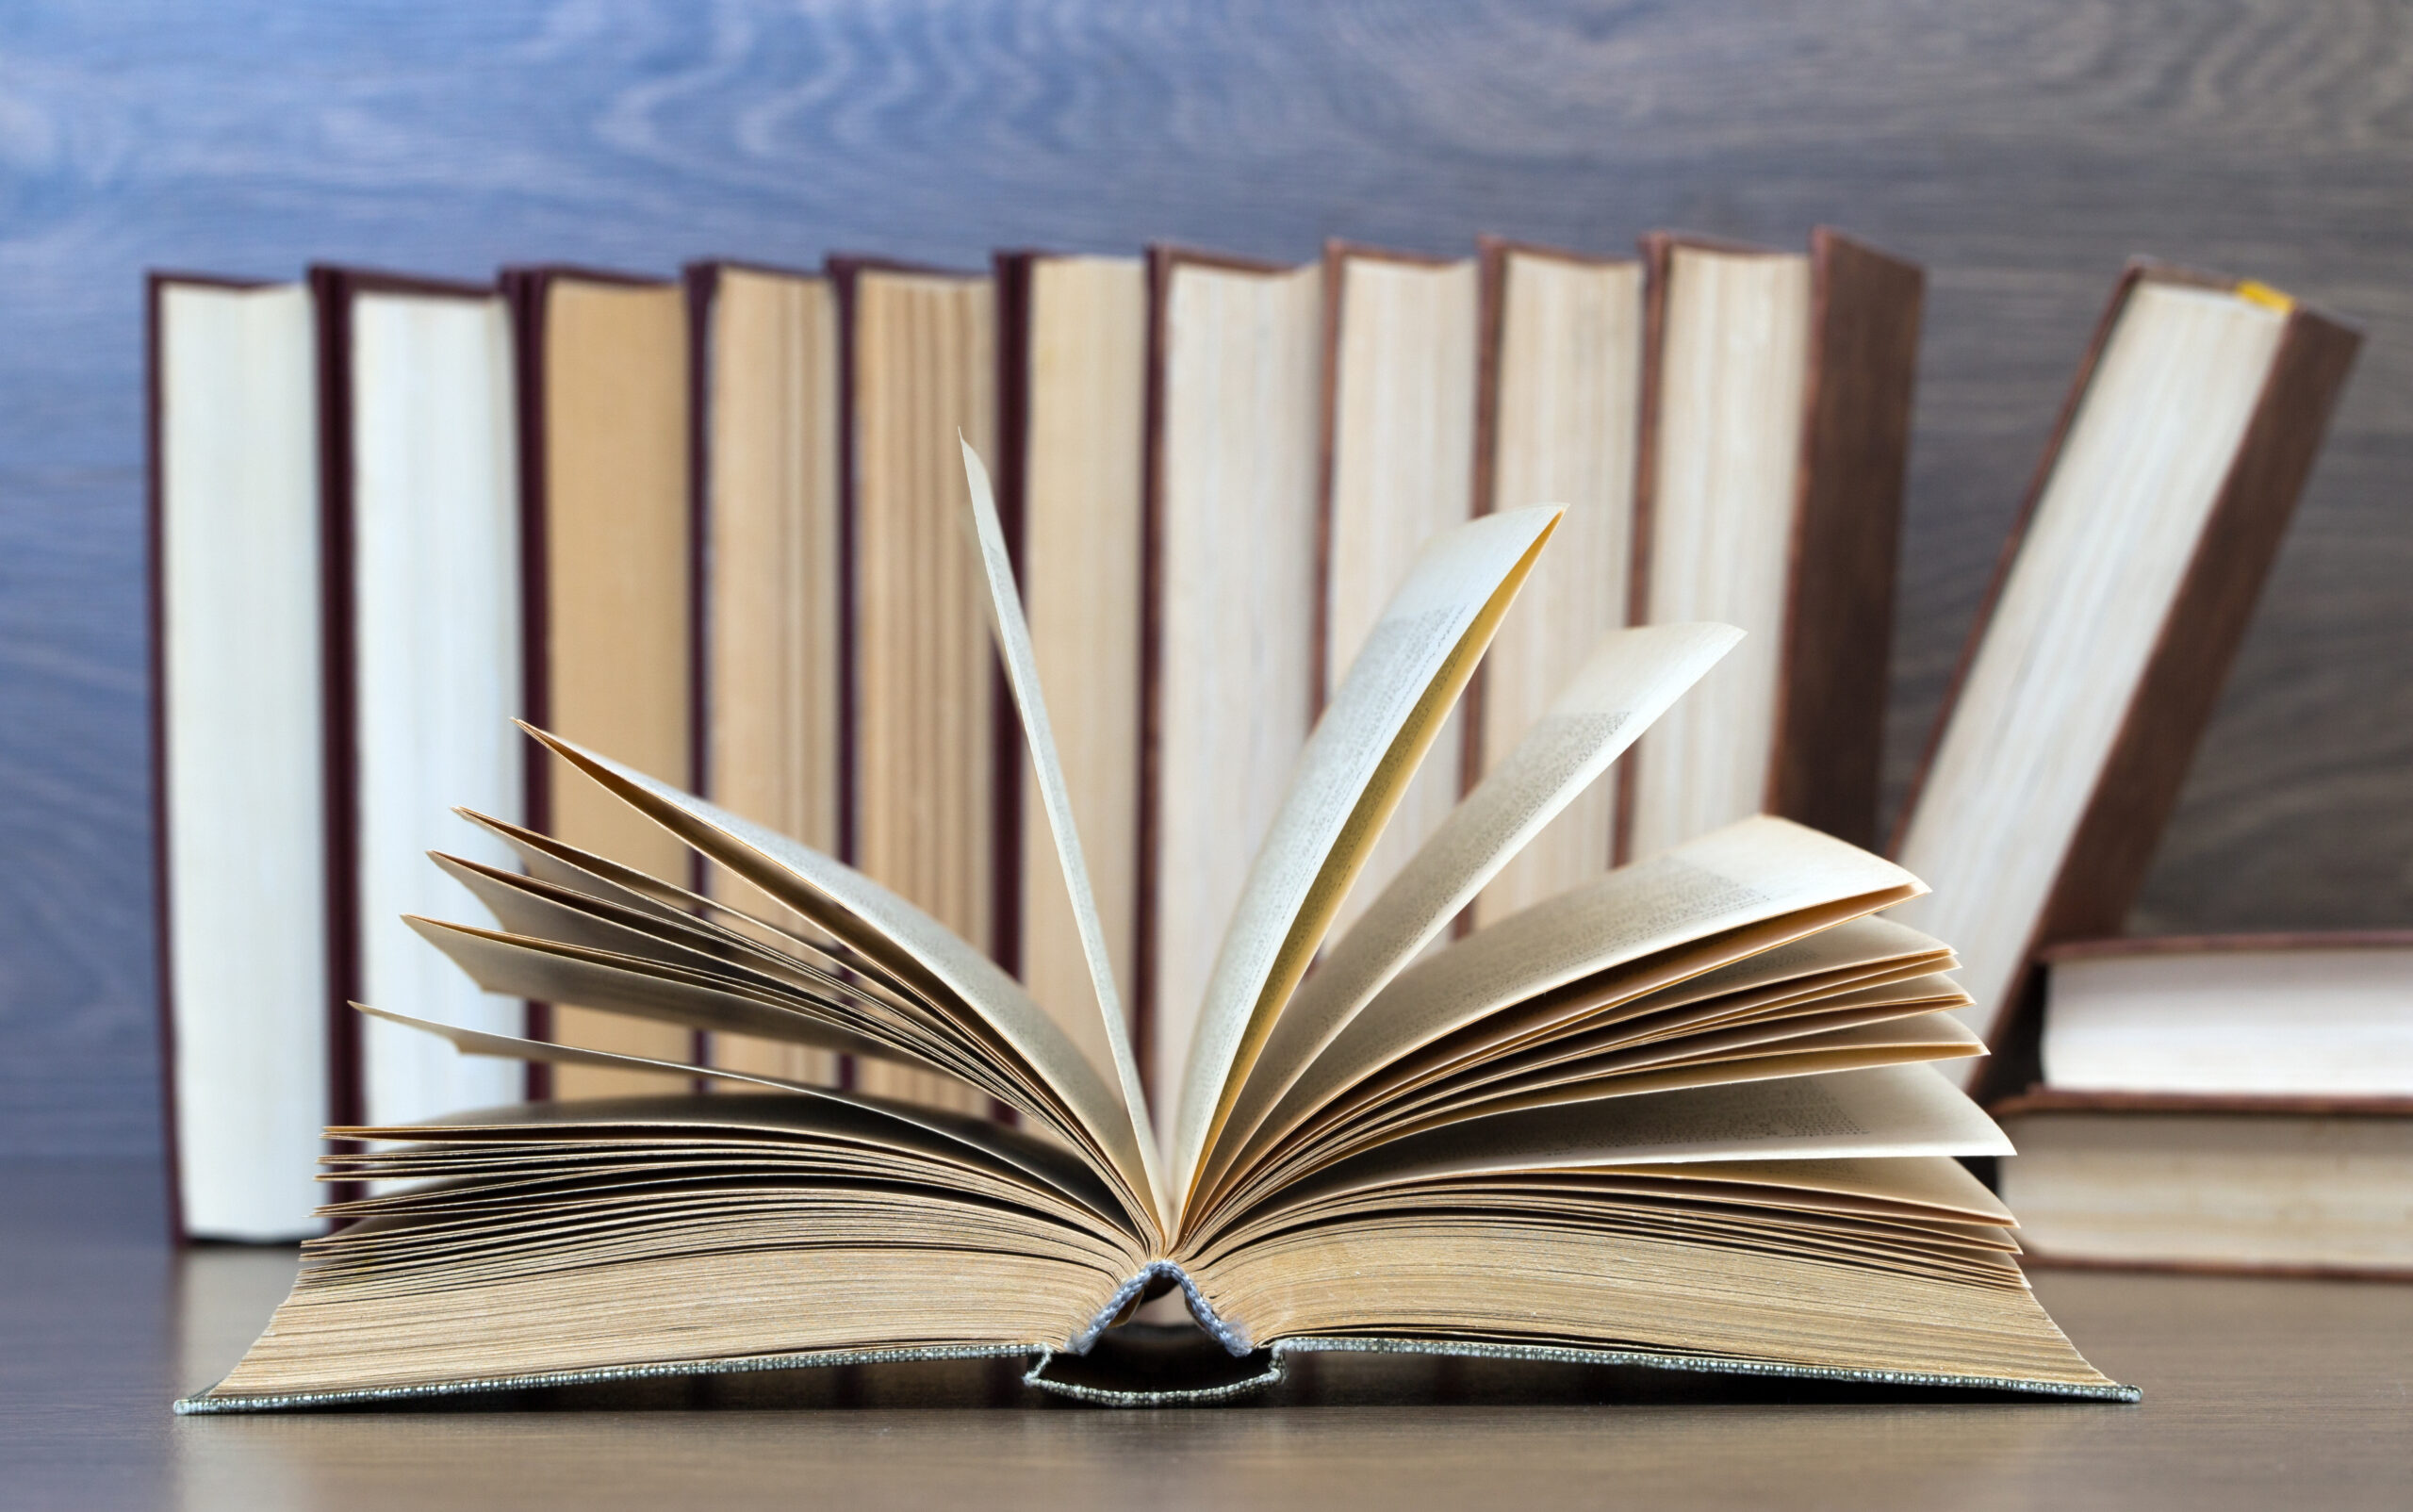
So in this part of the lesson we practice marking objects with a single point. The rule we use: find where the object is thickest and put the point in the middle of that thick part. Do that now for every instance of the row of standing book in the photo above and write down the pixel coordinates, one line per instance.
(701, 524)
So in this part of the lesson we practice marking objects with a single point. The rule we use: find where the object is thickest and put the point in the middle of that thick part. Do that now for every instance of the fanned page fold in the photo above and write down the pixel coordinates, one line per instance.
(884, 926)
(1629, 680)
(986, 1140)
(1022, 676)
(1356, 764)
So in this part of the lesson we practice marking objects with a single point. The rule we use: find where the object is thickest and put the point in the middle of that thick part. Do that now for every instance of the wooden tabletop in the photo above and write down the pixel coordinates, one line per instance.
(2256, 1394)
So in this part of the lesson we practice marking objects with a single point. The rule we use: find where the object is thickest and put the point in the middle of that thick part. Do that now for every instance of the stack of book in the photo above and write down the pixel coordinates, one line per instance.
(708, 526)
(2235, 1102)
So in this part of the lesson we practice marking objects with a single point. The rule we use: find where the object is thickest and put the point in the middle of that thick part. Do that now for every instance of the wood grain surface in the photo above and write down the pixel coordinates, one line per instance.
(2021, 150)
(2258, 1393)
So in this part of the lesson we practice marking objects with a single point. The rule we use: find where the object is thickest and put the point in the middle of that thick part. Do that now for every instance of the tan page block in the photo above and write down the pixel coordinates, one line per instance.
(926, 807)
(616, 585)
(773, 593)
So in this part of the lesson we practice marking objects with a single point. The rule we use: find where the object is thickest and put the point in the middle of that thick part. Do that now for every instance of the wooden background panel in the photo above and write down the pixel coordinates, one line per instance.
(2020, 149)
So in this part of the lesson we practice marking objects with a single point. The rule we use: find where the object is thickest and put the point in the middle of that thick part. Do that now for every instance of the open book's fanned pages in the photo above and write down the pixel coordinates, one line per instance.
(1775, 429)
(420, 484)
(767, 636)
(1686, 1114)
(2102, 644)
(606, 550)
(238, 698)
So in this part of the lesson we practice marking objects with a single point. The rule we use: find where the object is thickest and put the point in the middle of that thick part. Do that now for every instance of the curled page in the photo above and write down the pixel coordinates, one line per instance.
(870, 918)
(1683, 908)
(1022, 676)
(1630, 680)
(895, 1123)
(1884, 1112)
(1356, 764)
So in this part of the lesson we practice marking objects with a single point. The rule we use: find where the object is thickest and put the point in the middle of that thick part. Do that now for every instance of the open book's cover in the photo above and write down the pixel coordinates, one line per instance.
(2171, 704)
(154, 536)
(1831, 684)
(1157, 1366)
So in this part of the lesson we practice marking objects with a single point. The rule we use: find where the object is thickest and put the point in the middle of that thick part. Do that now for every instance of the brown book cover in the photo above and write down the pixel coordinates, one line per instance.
(1829, 744)
(2043, 1099)
(2172, 701)
(2113, 947)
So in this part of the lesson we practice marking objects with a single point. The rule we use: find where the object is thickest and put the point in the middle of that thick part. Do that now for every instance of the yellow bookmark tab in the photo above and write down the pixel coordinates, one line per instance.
(2264, 295)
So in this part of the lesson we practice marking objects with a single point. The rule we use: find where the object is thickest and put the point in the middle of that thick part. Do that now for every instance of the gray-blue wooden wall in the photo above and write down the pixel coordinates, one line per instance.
(2020, 149)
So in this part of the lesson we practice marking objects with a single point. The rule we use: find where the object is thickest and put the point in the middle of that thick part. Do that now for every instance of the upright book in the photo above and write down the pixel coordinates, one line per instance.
(928, 775)
(608, 558)
(1232, 655)
(1557, 418)
(769, 637)
(1072, 444)
(1682, 1117)
(422, 639)
(1775, 427)
(239, 691)
(1399, 441)
(2104, 639)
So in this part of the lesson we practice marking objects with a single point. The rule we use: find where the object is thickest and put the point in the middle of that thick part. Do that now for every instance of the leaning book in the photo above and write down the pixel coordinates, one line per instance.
(1686, 1115)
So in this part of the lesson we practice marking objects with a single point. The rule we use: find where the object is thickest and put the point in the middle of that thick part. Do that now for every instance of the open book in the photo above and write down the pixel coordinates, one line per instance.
(1684, 1115)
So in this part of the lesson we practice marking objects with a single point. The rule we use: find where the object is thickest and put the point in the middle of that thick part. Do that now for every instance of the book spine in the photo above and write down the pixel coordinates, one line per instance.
(332, 293)
(701, 282)
(155, 647)
(525, 289)
(843, 276)
(1492, 282)
(1829, 744)
(1014, 275)
(1145, 1027)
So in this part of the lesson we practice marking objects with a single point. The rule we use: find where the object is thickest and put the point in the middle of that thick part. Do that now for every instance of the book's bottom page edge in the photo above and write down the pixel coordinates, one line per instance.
(1707, 1364)
(1249, 1375)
